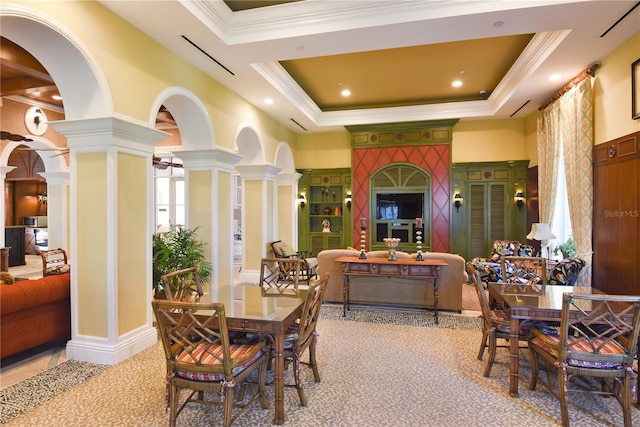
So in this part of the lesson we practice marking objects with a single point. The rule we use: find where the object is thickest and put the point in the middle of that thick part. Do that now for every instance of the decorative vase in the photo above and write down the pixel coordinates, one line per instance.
(392, 243)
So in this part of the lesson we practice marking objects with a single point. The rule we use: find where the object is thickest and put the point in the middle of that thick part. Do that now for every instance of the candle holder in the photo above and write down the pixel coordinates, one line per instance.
(419, 244)
(363, 239)
(392, 243)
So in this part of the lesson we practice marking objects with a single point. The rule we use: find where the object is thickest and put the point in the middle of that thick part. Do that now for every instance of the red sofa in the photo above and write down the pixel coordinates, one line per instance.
(34, 312)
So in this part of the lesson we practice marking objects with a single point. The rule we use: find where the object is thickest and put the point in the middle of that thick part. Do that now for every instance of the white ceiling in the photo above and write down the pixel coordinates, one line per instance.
(250, 43)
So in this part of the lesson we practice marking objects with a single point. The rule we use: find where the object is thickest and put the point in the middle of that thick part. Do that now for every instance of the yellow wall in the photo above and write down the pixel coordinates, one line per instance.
(132, 242)
(323, 150)
(92, 249)
(285, 213)
(489, 140)
(199, 209)
(223, 274)
(612, 96)
(254, 205)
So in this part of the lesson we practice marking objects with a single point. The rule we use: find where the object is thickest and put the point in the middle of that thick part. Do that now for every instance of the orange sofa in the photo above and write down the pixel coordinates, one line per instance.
(34, 312)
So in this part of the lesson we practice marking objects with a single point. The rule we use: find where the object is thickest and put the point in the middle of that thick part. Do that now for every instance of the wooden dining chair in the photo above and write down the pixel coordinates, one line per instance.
(302, 336)
(280, 276)
(597, 338)
(54, 261)
(182, 285)
(200, 358)
(495, 325)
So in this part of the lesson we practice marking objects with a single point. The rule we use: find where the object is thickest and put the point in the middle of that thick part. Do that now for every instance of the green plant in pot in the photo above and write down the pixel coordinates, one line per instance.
(177, 250)
(567, 249)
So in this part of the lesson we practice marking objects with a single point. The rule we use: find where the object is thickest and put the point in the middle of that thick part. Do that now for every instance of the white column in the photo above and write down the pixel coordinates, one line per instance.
(4, 170)
(57, 209)
(111, 224)
(287, 208)
(259, 216)
(209, 190)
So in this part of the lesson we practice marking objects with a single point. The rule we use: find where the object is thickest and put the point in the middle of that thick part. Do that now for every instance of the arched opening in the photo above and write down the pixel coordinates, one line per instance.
(400, 198)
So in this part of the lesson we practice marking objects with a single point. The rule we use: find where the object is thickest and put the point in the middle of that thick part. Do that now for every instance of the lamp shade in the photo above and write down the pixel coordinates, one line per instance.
(540, 231)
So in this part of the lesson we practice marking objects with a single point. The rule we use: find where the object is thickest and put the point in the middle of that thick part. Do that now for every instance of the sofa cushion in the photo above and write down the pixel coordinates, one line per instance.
(30, 293)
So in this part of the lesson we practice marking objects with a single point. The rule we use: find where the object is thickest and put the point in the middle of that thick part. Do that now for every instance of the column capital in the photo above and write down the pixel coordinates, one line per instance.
(265, 171)
(288, 178)
(62, 177)
(4, 170)
(109, 132)
(220, 158)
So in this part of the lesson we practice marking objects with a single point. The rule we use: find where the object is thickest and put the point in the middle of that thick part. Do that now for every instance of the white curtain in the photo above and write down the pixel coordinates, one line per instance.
(567, 124)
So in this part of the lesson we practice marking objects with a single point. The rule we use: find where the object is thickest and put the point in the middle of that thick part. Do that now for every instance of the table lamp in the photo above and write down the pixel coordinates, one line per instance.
(540, 231)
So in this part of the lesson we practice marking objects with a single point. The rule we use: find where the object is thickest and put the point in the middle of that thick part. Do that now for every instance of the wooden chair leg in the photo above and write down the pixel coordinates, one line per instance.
(228, 406)
(492, 354)
(562, 396)
(534, 369)
(313, 362)
(296, 376)
(483, 345)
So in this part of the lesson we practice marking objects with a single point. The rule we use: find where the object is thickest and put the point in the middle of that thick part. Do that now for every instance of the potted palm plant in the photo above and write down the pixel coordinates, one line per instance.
(177, 250)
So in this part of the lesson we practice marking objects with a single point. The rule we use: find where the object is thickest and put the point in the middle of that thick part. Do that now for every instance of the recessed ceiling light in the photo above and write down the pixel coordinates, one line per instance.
(345, 92)
(268, 101)
(456, 83)
(555, 77)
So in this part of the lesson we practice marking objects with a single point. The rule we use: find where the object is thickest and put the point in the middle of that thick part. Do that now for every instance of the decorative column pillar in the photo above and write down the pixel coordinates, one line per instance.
(4, 170)
(209, 206)
(259, 203)
(287, 208)
(57, 209)
(111, 224)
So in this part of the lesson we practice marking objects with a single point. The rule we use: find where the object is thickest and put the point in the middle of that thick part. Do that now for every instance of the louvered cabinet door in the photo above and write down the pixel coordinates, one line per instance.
(487, 209)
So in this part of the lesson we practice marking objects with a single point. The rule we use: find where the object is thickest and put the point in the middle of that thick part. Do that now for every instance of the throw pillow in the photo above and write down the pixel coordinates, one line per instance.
(288, 251)
(6, 278)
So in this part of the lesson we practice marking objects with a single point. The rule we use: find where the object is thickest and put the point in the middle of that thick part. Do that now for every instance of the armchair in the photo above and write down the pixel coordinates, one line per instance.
(310, 262)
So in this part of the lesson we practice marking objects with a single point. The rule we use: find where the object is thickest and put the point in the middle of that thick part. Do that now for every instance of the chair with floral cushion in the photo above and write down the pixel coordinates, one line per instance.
(524, 270)
(489, 268)
(566, 272)
(597, 338)
(495, 325)
(200, 358)
(309, 264)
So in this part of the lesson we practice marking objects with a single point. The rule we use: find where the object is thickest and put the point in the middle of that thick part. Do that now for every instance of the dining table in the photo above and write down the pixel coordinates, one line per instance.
(247, 310)
(521, 303)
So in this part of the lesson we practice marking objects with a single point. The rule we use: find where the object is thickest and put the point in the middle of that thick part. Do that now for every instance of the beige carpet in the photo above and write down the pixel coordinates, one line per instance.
(382, 372)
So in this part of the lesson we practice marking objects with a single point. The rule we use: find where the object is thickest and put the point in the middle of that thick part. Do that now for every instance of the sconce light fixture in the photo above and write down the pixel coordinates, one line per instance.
(348, 200)
(519, 197)
(42, 197)
(302, 200)
(457, 201)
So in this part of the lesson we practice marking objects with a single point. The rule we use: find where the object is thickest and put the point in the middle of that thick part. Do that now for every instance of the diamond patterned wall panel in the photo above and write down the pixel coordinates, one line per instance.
(434, 159)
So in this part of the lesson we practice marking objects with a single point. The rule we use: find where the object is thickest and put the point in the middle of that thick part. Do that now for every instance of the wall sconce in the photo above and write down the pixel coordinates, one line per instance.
(348, 200)
(457, 201)
(301, 200)
(42, 197)
(519, 197)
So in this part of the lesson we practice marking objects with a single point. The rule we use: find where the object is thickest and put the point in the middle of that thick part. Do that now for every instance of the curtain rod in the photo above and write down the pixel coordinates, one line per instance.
(566, 88)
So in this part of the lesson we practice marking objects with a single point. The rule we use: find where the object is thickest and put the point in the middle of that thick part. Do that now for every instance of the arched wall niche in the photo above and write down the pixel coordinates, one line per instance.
(400, 197)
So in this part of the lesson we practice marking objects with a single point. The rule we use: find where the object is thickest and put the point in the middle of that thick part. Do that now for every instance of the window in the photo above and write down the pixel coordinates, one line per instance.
(169, 195)
(561, 227)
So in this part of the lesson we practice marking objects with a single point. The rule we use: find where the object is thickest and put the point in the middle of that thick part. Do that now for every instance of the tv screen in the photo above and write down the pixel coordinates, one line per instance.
(399, 206)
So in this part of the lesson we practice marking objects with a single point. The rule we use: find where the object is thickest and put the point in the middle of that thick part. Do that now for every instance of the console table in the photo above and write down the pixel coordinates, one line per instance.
(404, 268)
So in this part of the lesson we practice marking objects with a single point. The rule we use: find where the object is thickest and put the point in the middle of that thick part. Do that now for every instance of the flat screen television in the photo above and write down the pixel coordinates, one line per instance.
(390, 206)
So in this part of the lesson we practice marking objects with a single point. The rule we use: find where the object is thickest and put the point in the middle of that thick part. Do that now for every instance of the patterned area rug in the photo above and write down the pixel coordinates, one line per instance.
(401, 317)
(32, 392)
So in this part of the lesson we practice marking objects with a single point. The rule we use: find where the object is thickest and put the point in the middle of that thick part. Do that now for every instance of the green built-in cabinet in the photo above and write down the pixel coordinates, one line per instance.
(326, 195)
(489, 209)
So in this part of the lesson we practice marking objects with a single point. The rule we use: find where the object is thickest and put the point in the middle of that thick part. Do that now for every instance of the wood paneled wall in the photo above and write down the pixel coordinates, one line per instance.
(616, 216)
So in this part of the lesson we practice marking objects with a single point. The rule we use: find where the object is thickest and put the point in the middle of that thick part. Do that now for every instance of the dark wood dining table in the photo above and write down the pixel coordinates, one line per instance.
(248, 311)
(545, 305)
